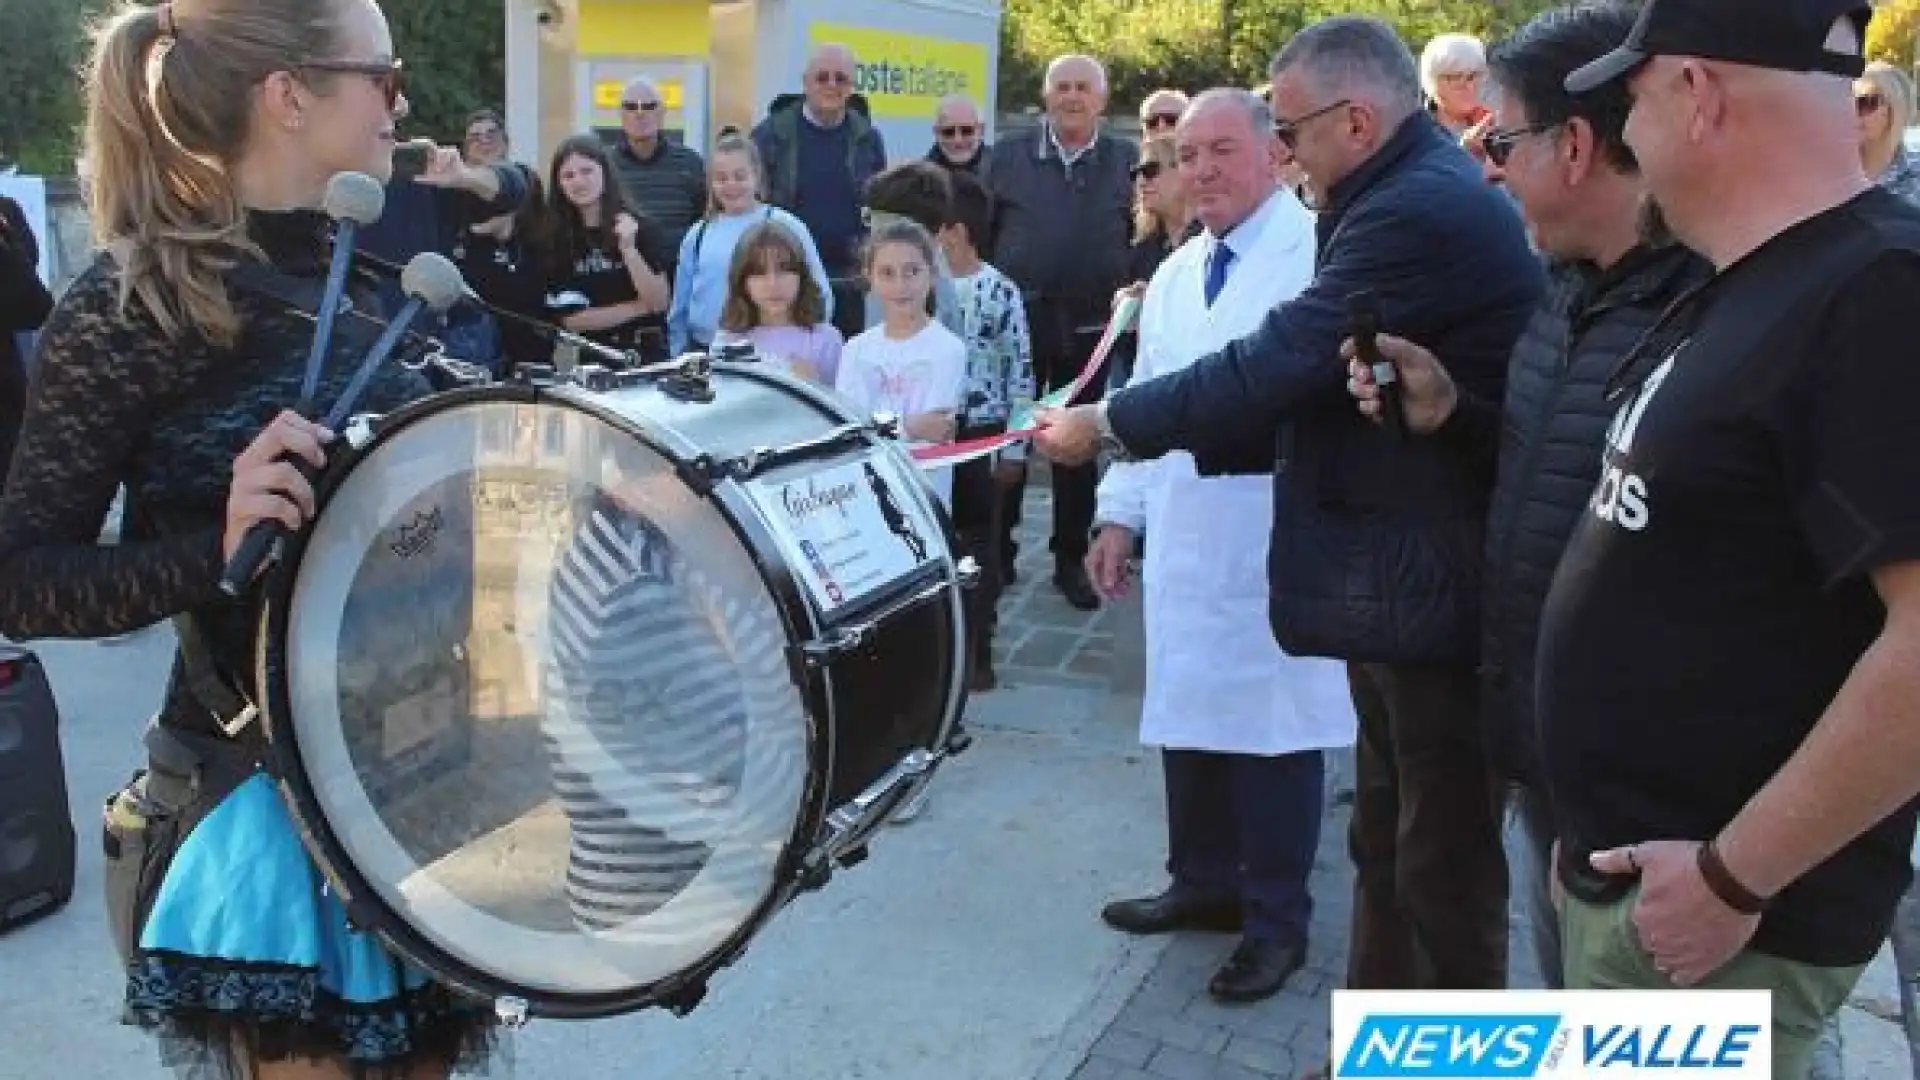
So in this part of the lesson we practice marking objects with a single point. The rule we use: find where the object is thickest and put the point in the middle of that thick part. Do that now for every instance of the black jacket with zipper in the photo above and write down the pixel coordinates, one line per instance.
(1549, 438)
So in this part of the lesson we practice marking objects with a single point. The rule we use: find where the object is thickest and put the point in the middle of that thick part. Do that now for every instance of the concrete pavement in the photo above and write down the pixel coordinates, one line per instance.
(967, 948)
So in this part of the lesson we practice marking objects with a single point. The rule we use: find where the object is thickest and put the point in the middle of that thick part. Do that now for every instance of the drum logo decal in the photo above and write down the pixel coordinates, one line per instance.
(417, 537)
(820, 567)
(814, 499)
(895, 517)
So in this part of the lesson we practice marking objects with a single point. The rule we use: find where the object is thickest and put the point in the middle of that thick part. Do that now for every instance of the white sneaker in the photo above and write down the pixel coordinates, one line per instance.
(912, 808)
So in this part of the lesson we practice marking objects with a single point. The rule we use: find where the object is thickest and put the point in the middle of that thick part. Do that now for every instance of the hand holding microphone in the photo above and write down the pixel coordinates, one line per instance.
(1422, 389)
(272, 490)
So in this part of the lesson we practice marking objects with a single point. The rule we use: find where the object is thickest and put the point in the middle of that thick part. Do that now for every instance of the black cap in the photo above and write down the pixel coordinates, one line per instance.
(1785, 35)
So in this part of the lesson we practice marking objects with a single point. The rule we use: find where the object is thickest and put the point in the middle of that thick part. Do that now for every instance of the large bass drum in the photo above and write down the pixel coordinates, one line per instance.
(573, 684)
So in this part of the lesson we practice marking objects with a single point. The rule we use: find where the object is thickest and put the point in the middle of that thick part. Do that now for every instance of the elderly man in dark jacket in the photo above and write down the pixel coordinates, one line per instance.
(1375, 550)
(1580, 190)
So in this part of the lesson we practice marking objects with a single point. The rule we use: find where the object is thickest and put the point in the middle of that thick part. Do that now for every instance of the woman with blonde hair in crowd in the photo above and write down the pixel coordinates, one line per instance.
(700, 287)
(1883, 99)
(213, 128)
(1160, 112)
(1160, 224)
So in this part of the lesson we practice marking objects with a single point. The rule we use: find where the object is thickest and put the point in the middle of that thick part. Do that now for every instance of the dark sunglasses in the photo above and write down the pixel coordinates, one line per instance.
(1161, 120)
(639, 106)
(1868, 104)
(832, 78)
(390, 76)
(1288, 131)
(1147, 170)
(1499, 142)
(958, 131)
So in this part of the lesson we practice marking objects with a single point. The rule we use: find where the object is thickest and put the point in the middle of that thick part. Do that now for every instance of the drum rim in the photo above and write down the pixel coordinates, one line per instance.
(365, 906)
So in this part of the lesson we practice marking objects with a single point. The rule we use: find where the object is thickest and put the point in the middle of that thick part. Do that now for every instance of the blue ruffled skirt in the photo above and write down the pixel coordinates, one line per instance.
(247, 955)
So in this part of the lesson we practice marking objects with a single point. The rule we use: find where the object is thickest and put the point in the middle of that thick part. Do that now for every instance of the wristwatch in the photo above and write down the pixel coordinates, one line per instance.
(1110, 443)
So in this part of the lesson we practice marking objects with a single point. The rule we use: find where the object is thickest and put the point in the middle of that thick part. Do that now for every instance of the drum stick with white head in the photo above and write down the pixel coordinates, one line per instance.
(352, 200)
(431, 282)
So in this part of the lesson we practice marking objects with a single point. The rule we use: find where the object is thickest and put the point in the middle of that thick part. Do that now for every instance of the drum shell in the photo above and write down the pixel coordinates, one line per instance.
(862, 726)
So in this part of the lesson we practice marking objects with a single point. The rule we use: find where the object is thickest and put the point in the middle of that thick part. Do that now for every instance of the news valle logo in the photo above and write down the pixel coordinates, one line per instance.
(1605, 1033)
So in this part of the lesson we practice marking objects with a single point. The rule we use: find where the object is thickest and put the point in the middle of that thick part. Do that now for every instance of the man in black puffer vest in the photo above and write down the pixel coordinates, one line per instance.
(1580, 190)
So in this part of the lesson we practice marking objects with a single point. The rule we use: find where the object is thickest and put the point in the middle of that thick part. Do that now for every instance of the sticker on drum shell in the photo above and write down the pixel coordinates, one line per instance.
(851, 530)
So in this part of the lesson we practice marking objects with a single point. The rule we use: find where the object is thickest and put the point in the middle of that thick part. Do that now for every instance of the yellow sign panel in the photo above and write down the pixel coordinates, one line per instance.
(904, 76)
(607, 93)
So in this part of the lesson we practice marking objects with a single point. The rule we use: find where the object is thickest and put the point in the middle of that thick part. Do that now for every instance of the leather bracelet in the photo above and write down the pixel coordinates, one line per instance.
(1724, 885)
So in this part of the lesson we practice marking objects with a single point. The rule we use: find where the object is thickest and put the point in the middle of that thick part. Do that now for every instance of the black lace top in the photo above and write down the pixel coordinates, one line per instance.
(116, 402)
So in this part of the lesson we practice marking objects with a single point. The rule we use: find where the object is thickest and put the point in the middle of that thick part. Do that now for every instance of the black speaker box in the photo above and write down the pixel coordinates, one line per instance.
(36, 825)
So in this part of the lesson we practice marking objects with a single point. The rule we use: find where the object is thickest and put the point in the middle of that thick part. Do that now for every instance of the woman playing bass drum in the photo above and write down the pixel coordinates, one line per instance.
(213, 129)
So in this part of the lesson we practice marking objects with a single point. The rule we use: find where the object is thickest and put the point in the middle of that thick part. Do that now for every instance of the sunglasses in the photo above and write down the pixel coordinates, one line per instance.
(639, 106)
(1499, 143)
(1148, 170)
(832, 78)
(1155, 121)
(389, 76)
(1288, 131)
(1868, 104)
(957, 131)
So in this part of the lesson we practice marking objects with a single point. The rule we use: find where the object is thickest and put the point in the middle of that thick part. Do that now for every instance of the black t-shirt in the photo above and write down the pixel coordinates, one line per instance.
(598, 274)
(507, 276)
(1764, 460)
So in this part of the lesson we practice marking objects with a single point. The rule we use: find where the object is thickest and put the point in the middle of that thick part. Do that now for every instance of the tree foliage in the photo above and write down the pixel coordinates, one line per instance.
(1890, 36)
(1194, 44)
(455, 52)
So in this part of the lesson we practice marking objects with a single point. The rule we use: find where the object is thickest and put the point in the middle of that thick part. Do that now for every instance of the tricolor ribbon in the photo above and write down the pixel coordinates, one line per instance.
(1022, 423)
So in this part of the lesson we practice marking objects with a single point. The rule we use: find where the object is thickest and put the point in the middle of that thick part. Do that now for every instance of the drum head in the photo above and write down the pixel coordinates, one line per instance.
(542, 709)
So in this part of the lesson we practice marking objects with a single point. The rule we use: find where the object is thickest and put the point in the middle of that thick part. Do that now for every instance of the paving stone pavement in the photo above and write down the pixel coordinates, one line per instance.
(1167, 1027)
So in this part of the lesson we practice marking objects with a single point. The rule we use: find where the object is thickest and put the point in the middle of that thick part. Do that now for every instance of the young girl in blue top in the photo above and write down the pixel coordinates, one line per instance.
(734, 206)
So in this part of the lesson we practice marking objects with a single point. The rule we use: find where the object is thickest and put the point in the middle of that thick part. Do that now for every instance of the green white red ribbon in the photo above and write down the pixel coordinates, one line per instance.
(1022, 423)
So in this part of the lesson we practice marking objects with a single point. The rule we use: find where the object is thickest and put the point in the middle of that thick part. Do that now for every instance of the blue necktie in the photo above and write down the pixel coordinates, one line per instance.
(1219, 261)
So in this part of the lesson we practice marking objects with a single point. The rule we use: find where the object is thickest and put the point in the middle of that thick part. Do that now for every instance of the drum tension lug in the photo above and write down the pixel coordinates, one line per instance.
(686, 999)
(693, 382)
(701, 474)
(842, 641)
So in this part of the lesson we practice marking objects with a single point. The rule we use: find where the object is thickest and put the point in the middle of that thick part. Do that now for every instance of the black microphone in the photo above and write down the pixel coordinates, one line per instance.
(430, 281)
(352, 200)
(1363, 325)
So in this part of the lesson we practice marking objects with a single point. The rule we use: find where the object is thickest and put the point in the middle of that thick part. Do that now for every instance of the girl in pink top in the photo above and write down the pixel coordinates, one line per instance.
(774, 304)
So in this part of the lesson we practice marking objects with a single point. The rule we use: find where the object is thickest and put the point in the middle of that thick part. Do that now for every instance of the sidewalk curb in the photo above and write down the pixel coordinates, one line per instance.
(1116, 988)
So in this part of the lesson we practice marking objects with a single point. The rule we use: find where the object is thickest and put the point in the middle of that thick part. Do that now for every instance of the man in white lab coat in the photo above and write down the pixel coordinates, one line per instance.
(1240, 723)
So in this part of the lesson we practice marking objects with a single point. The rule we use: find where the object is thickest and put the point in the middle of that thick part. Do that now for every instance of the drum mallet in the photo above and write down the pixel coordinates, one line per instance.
(431, 281)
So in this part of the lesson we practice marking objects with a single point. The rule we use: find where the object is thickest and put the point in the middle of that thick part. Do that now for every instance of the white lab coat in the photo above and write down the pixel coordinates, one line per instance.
(1215, 679)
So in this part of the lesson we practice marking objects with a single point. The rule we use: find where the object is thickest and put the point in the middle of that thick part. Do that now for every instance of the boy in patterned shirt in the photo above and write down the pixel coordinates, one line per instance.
(999, 379)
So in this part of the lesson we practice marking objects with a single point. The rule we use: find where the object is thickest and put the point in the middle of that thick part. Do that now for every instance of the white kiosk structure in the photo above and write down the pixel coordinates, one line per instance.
(721, 62)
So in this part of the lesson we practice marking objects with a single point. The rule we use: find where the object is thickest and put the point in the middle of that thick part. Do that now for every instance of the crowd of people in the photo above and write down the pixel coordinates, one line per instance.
(1625, 549)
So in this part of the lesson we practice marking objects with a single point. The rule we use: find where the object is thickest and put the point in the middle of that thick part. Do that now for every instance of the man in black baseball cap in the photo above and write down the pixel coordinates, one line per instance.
(1738, 812)
(1783, 35)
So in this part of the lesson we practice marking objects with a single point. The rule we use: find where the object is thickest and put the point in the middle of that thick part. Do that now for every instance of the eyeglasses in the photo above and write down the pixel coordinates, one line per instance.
(639, 106)
(1499, 143)
(1868, 104)
(1148, 170)
(1155, 121)
(832, 78)
(1288, 131)
(957, 131)
(389, 76)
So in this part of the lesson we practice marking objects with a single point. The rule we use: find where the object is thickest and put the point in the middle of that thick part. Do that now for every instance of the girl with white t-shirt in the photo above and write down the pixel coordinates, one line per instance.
(908, 365)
